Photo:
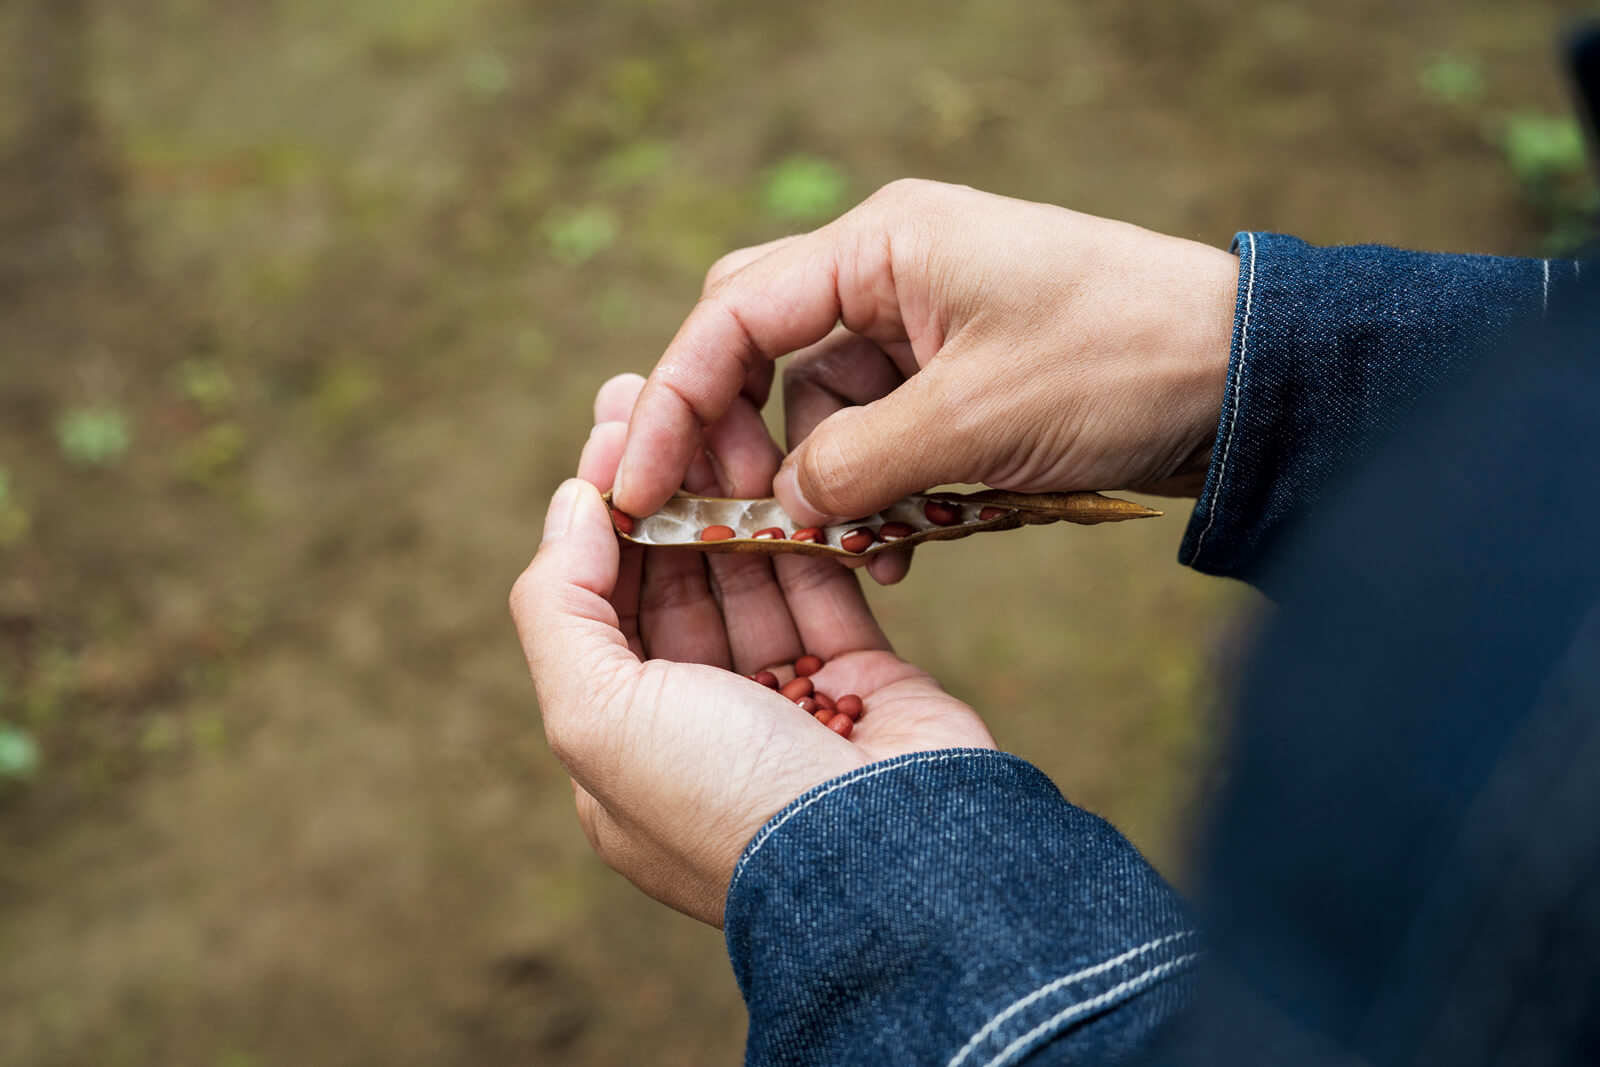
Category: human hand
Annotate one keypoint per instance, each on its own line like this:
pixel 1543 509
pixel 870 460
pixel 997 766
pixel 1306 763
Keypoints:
pixel 676 760
pixel 983 339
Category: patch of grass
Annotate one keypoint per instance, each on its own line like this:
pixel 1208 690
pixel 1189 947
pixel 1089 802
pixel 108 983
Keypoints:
pixel 577 235
pixel 206 384
pixel 1546 155
pixel 1544 148
pixel 1452 79
pixel 19 754
pixel 93 437
pixel 803 189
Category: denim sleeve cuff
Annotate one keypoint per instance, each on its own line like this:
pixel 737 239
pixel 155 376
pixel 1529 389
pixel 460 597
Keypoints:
pixel 1332 349
pixel 951 907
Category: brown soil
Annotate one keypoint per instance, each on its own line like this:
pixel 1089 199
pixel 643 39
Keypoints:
pixel 295 806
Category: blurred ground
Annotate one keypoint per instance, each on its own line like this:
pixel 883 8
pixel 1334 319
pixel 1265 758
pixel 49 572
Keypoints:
pixel 301 309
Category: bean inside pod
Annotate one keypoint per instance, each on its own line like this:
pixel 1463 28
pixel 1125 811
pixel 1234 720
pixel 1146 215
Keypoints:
pixel 718 524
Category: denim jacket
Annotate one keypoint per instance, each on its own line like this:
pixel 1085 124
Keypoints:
pixel 1404 865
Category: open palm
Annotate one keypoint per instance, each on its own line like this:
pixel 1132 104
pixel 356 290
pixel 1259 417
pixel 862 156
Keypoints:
pixel 639 656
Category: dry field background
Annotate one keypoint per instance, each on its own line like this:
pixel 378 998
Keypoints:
pixel 301 309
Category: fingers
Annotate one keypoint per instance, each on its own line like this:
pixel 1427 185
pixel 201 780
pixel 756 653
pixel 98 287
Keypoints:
pixel 741 258
pixel 760 631
pixel 742 453
pixel 787 299
pixel 597 465
pixel 575 650
pixel 860 459
pixel 829 610
pixel 758 383
pixel 890 567
pixel 842 370
pixel 614 402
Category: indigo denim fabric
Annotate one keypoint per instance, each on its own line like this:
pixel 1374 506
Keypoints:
pixel 1404 864
pixel 1333 348
pixel 951 908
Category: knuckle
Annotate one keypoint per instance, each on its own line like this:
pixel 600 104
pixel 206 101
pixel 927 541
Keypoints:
pixel 827 465
pixel 521 593
pixel 906 193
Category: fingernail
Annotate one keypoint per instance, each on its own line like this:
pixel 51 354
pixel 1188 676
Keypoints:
pixel 617 481
pixel 787 487
pixel 562 507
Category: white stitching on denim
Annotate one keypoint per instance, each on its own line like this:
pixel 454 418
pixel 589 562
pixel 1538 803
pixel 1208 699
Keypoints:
pixel 870 771
pixel 1086 1006
pixel 1045 990
pixel 1547 287
pixel 1238 377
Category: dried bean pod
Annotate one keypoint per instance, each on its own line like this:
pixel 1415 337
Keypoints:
pixel 683 520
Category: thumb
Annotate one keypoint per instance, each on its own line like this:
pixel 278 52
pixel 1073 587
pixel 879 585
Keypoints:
pixel 861 459
pixel 568 628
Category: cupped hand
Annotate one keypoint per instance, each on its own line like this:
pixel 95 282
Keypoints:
pixel 948 335
pixel 639 654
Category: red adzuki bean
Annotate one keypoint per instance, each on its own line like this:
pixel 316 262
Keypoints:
pixel 823 699
pixel 893 531
pixel 858 540
pixel 766 678
pixel 622 521
pixel 810 535
pixel 807 665
pixel 841 725
pixel 796 688
pixel 809 706
pixel 771 533
pixel 824 715
pixel 992 513
pixel 717 533
pixel 850 705
pixel 941 514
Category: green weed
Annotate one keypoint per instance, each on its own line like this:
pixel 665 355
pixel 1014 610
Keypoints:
pixel 1547 157
pixel 93 436
pixel 19 755
pixel 206 384
pixel 803 189
pixel 1452 79
pixel 578 235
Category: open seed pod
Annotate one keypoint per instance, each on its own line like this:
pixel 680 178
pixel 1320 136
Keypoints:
pixel 689 521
